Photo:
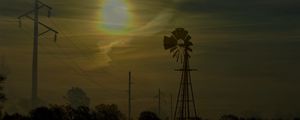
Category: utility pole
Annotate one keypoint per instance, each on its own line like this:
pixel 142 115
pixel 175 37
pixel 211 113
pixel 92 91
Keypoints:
pixel 159 107
pixel 3 69
pixel 171 107
pixel 37 5
pixel 129 97
pixel 2 63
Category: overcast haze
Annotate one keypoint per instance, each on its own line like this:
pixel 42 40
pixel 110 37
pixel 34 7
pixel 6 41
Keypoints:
pixel 246 53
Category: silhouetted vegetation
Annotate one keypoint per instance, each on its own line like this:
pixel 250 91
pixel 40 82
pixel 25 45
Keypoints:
pixel 3 76
pixel 235 117
pixel 76 97
pixel 2 95
pixel 148 115
pixel 55 112
pixel 100 112
pixel 108 112
pixel 15 116
pixel 229 117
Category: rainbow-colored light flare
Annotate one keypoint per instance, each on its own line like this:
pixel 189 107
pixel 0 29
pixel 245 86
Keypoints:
pixel 116 17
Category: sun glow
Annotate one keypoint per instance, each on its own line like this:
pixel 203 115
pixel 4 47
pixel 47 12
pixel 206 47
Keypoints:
pixel 115 17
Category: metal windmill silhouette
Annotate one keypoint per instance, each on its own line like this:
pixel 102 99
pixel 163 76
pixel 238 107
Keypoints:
pixel 179 45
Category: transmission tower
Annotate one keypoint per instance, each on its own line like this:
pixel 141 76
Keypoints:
pixel 36 7
pixel 179 45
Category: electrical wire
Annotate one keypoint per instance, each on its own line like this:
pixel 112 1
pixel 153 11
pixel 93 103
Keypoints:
pixel 75 67
pixel 63 33
pixel 64 36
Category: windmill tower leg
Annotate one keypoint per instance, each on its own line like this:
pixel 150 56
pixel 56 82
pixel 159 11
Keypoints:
pixel 185 106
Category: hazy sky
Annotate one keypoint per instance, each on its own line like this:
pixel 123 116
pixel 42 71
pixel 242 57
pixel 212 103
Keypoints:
pixel 246 53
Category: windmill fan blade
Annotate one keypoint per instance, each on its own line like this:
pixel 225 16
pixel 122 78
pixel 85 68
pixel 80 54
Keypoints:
pixel 188 38
pixel 177 58
pixel 189 49
pixel 169 42
pixel 173 49
pixel 188 43
pixel 179 44
pixel 188 54
pixel 176 53
pixel 180 33
pixel 181 59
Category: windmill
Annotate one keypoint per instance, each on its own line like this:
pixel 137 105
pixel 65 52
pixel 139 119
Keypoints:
pixel 179 45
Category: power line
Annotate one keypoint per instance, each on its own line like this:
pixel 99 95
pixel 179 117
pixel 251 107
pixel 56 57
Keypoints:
pixel 64 36
pixel 75 67
pixel 60 28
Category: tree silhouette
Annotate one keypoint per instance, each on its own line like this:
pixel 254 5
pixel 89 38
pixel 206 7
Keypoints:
pixel 101 112
pixel 108 112
pixel 41 113
pixel 59 112
pixel 82 113
pixel 229 117
pixel 148 115
pixel 3 77
pixel 2 95
pixel 15 116
pixel 76 97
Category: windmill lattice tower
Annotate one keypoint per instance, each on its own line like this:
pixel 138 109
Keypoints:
pixel 179 45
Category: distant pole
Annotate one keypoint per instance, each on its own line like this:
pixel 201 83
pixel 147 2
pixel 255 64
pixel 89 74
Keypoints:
pixel 3 72
pixel 159 107
pixel 129 97
pixel 171 106
pixel 37 5
pixel 2 62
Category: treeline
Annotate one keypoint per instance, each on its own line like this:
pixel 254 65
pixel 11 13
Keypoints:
pixel 101 112
pixel 235 117
pixel 55 112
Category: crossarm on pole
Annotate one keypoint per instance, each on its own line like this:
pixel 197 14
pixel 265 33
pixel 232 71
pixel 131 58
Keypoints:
pixel 44 25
